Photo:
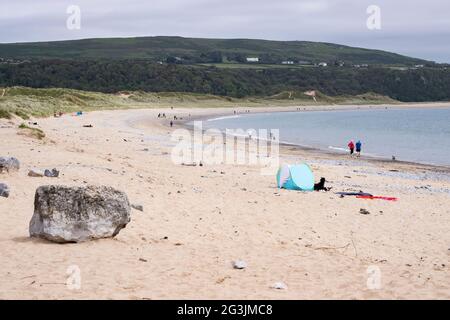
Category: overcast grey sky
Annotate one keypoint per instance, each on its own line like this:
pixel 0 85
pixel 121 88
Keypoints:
pixel 412 27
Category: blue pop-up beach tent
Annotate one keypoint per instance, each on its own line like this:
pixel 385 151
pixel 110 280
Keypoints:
pixel 295 177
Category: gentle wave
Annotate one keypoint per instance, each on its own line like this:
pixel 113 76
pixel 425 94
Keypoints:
pixel 337 148
pixel 223 118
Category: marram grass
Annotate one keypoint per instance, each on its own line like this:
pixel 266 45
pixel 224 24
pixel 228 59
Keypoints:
pixel 25 102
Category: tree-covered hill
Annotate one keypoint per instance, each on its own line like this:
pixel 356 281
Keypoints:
pixel 422 84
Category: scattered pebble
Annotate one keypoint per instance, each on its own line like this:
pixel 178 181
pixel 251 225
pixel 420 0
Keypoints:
pixel 239 264
pixel 8 164
pixel 4 190
pixel 138 207
pixel 279 286
pixel 51 173
pixel 35 173
pixel 193 164
pixel 363 211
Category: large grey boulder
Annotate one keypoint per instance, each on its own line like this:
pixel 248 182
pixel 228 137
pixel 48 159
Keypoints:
pixel 76 214
pixel 8 164
pixel 4 190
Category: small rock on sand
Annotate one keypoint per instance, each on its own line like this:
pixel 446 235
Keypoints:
pixel 192 164
pixel 239 264
pixel 35 173
pixel 8 164
pixel 51 173
pixel 138 207
pixel 279 286
pixel 4 190
pixel 363 211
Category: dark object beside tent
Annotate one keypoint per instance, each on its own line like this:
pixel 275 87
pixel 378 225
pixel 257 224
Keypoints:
pixel 354 194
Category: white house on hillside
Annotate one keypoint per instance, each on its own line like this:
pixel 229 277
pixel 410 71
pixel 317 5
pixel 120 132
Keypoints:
pixel 252 59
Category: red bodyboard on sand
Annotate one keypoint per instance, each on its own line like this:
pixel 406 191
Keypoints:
pixel 377 197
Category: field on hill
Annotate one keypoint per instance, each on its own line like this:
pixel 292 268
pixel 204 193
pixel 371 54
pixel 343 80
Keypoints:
pixel 198 50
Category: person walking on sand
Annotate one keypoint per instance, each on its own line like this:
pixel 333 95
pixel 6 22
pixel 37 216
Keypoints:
pixel 358 148
pixel 351 147
pixel 171 123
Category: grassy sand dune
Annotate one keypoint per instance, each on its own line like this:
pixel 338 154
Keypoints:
pixel 25 102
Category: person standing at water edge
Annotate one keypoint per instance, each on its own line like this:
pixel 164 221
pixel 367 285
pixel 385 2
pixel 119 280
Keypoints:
pixel 351 146
pixel 358 148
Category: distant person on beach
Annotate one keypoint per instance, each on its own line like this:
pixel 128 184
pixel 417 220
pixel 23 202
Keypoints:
pixel 358 148
pixel 171 123
pixel 351 147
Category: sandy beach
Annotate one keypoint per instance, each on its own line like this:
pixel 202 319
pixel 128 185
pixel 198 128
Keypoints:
pixel 198 220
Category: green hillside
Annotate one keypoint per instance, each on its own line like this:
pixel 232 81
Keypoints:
pixel 195 50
